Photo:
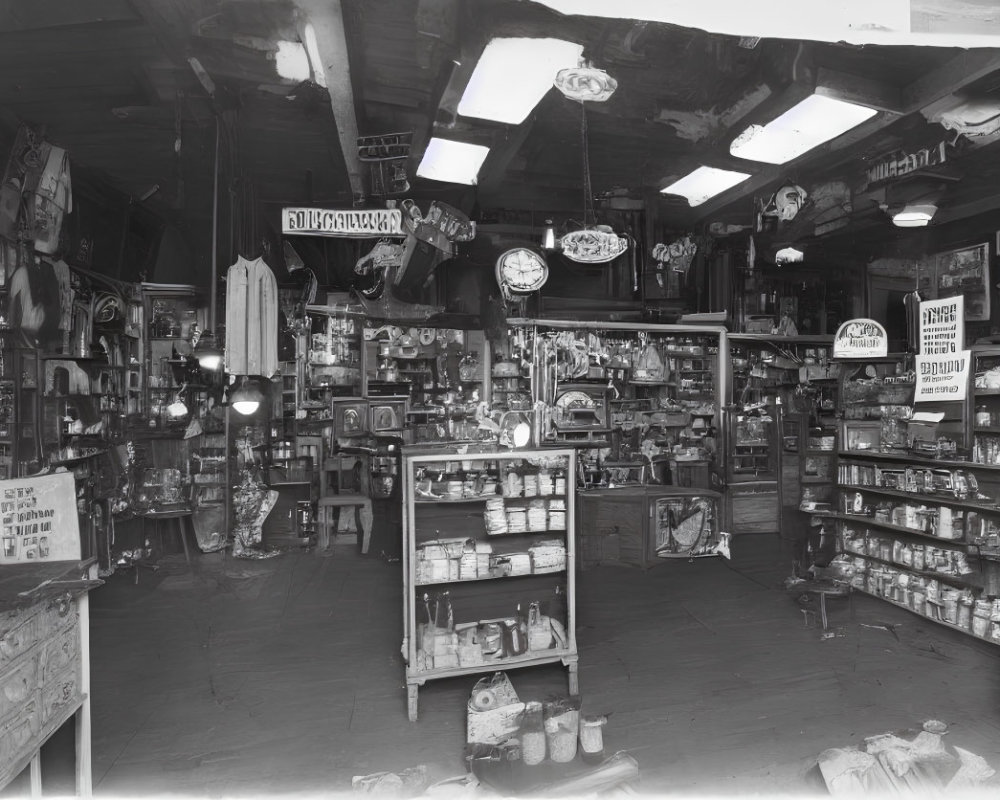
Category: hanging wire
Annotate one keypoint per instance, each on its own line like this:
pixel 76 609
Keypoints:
pixel 588 195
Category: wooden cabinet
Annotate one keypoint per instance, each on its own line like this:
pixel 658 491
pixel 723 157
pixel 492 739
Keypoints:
pixel 641 525
pixel 780 432
pixel 487 535
pixel 44 665
pixel 171 312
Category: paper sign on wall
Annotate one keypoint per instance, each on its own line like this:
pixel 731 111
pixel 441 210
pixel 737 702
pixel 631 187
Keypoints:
pixel 38 519
pixel 942 378
pixel 942 326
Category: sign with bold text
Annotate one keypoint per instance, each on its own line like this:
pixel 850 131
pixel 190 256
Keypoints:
pixel 942 326
pixel 359 223
pixel 942 378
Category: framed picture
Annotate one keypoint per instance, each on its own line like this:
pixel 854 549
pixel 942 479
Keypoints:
pixel 350 418
pixel 387 416
pixel 861 434
pixel 967 272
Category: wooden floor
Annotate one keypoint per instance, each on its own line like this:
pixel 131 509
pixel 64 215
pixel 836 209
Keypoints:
pixel 285 676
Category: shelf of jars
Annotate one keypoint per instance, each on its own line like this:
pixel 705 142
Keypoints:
pixel 489 541
pixel 945 593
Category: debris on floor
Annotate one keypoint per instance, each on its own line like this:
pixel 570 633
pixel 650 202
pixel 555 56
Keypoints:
pixel 543 749
pixel 898 764
pixel 408 783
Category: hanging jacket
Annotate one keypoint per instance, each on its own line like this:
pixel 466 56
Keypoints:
pixel 251 319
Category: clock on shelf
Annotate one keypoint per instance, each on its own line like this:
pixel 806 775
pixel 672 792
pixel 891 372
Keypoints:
pixel 520 270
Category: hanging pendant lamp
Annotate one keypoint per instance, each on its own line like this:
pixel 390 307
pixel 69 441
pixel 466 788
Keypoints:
pixel 592 244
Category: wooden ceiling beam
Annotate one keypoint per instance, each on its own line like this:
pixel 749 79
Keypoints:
pixel 327 18
pixel 858 89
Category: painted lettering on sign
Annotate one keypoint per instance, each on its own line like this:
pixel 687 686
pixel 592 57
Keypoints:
pixel 942 326
pixel 358 223
pixel 900 163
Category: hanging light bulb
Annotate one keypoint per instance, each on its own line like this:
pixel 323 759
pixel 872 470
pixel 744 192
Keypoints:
pixel 208 354
pixel 549 236
pixel 246 399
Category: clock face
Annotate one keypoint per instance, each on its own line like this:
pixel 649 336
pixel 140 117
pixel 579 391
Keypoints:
pixel 522 270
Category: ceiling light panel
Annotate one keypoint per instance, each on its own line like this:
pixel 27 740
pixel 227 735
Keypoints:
pixel 705 183
pixel 451 161
pixel 806 125
pixel 513 75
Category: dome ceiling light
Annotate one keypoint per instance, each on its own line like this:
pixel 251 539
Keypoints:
pixel 585 83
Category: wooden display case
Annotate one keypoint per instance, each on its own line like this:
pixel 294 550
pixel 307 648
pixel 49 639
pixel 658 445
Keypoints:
pixel 636 388
pixel 473 548
pixel 779 462
pixel 170 312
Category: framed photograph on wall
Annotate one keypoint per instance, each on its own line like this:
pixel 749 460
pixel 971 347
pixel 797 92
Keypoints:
pixel 967 272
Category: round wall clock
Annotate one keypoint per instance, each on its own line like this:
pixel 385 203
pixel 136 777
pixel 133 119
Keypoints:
pixel 521 270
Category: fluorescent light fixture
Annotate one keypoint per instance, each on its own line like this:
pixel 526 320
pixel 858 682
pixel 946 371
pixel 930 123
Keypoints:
pixel 513 75
pixel 914 215
pixel 788 255
pixel 806 125
pixel 312 51
pixel 705 182
pixel 451 161
pixel 292 61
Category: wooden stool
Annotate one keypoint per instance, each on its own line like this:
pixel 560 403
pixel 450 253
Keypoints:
pixel 329 511
pixel 828 589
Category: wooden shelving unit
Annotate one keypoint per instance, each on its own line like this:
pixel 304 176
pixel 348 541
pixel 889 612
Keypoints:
pixel 944 578
pixel 489 596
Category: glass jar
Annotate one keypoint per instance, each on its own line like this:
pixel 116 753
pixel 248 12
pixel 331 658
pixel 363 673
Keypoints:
pixel 468 367
pixel 983 416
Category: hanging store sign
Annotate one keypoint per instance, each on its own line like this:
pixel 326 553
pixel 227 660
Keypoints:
pixel 360 223
pixel 860 338
pixel 942 326
pixel 942 377
pixel 895 165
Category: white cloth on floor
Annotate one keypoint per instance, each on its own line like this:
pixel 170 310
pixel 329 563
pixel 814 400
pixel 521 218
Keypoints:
pixel 251 319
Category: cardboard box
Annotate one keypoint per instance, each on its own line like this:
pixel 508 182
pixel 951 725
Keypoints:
pixel 495 725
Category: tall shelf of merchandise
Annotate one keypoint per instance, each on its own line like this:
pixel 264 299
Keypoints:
pixel 918 510
pixel 487 577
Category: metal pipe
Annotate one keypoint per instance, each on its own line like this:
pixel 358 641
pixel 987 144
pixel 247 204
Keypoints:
pixel 215 234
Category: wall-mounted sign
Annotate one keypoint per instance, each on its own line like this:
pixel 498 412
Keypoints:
pixel 888 168
pixel 361 223
pixel 860 338
pixel 942 378
pixel 942 326
pixel 38 519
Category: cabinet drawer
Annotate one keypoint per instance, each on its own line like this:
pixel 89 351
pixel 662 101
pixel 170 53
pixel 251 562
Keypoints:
pixel 18 640
pixel 59 653
pixel 27 627
pixel 19 737
pixel 61 696
pixel 18 684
